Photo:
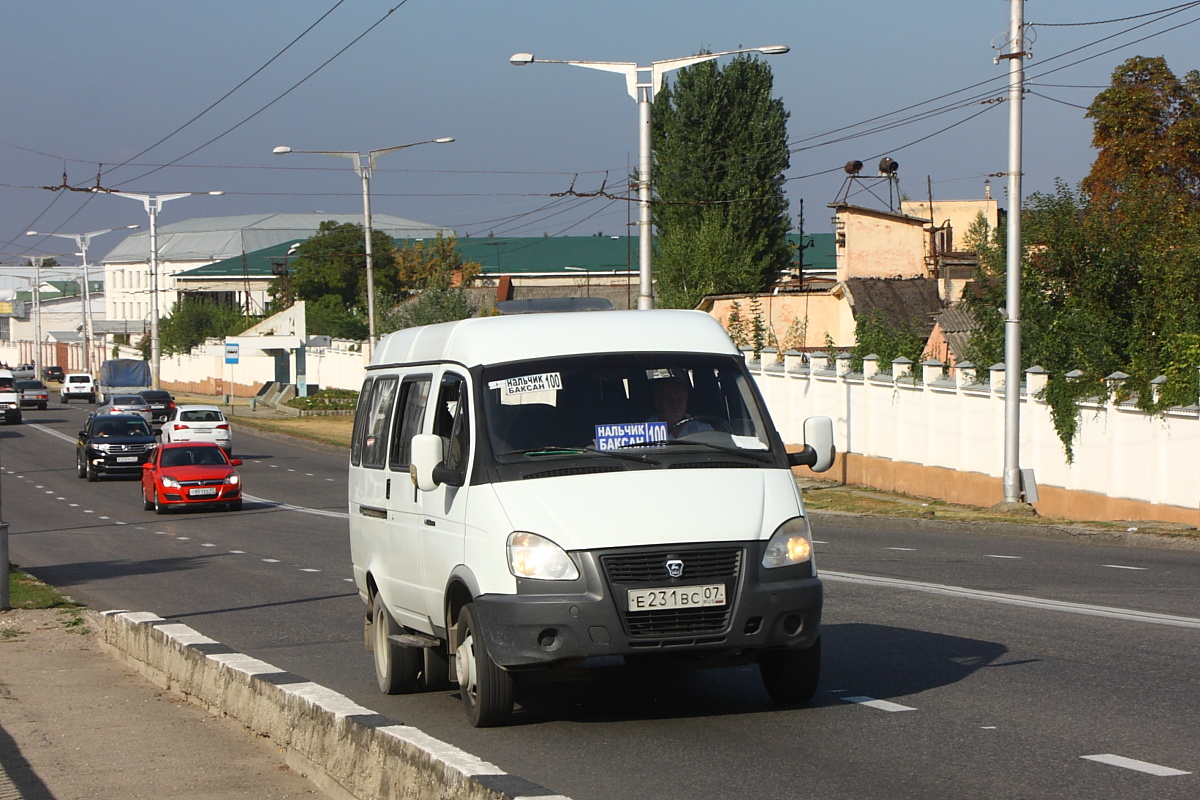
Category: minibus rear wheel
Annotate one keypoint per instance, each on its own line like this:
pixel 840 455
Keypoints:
pixel 487 690
pixel 396 666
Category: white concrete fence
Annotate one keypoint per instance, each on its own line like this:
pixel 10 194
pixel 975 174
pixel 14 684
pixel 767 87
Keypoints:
pixel 915 420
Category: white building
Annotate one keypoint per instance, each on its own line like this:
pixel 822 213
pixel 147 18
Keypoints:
pixel 197 242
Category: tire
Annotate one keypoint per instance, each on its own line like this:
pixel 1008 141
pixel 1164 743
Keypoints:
pixel 791 676
pixel 236 505
pixel 92 474
pixel 62 398
pixel 487 690
pixel 159 508
pixel 396 666
pixel 147 504
pixel 80 469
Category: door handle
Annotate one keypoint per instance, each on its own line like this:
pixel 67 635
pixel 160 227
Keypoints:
pixel 430 523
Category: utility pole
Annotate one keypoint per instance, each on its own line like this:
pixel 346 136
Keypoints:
pixel 1012 319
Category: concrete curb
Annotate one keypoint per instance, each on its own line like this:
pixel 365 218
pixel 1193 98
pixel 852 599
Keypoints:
pixel 348 750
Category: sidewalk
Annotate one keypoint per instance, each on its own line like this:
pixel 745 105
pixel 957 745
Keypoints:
pixel 77 724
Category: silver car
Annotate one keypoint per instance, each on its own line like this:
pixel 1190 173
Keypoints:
pixel 126 404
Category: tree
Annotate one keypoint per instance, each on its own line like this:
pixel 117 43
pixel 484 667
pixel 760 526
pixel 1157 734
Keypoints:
pixel 195 319
pixel 333 262
pixel 720 145
pixel 437 302
pixel 1109 277
pixel 431 262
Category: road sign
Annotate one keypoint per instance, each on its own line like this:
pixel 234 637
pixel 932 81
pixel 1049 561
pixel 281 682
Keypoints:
pixel 231 352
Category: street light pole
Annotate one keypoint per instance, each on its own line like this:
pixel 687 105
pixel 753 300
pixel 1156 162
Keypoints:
pixel 83 241
pixel 643 83
pixel 153 204
pixel 364 165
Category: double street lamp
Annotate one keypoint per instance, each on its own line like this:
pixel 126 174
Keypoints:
pixel 82 241
pixel 642 84
pixel 364 165
pixel 153 204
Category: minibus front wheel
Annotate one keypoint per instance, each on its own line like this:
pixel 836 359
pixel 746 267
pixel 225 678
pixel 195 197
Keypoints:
pixel 791 675
pixel 487 690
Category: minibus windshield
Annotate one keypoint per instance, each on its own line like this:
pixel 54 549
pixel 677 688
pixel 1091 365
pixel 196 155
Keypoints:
pixel 622 403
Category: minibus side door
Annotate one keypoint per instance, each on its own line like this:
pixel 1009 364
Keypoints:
pixel 403 563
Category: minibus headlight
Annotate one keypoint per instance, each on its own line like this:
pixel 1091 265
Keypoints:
pixel 790 544
pixel 536 557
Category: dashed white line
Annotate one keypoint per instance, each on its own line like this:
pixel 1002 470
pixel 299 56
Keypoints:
pixel 183 538
pixel 206 544
pixel 1134 764
pixel 271 560
pixel 1122 566
pixel 1015 558
pixel 882 705
pixel 238 552
pixel 309 569
pixel 904 549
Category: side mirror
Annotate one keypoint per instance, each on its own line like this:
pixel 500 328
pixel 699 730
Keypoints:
pixel 157 432
pixel 237 462
pixel 83 434
pixel 819 450
pixel 426 456
pixel 148 465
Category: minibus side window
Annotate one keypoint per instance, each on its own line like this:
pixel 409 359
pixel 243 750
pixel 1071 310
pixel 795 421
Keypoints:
pixel 452 422
pixel 360 422
pixel 375 431
pixel 414 395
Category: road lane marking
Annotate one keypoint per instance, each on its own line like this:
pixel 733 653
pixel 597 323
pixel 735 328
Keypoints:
pixel 1017 600
pixel 271 560
pixel 882 705
pixel 320 512
pixel 1122 566
pixel 1134 764
pixel 1017 558
pixel 309 569
pixel 904 549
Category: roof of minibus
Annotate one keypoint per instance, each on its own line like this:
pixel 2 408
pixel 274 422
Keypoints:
pixel 491 340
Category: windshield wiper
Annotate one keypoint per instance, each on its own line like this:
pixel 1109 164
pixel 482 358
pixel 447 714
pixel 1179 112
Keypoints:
pixel 758 455
pixel 590 450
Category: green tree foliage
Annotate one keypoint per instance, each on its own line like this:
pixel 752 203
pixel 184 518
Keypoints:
pixel 437 302
pixel 333 262
pixel 431 263
pixel 327 316
pixel 195 319
pixel 720 145
pixel 875 334
pixel 1110 277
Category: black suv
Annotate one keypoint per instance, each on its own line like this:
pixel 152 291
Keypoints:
pixel 113 444
pixel 52 373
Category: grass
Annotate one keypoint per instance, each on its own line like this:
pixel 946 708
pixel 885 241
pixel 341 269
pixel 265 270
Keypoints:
pixel 326 430
pixel 26 591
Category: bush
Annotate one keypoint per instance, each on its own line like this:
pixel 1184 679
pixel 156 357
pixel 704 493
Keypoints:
pixel 326 400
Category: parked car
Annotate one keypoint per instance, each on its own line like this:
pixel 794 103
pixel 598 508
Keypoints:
pixel 197 423
pixel 34 394
pixel 10 399
pixel 52 373
pixel 76 386
pixel 161 403
pixel 113 444
pixel 126 404
pixel 188 475
pixel 24 372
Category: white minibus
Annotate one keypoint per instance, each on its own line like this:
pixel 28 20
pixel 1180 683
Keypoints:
pixel 537 492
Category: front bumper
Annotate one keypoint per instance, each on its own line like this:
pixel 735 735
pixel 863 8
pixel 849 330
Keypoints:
pixel 550 622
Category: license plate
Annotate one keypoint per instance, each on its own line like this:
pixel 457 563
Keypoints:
pixel 207 491
pixel 126 459
pixel 676 597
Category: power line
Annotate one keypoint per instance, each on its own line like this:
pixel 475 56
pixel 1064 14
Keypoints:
pixel 1118 19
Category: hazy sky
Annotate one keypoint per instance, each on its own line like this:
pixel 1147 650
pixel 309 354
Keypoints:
pixel 90 86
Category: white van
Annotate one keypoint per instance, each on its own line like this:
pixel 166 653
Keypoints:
pixel 525 494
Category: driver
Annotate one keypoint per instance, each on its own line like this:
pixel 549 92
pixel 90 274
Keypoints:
pixel 670 405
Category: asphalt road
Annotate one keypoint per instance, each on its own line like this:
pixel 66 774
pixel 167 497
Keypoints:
pixel 958 663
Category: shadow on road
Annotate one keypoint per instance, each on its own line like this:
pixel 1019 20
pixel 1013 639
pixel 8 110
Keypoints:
pixel 858 660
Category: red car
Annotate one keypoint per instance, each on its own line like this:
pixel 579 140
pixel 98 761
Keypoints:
pixel 186 475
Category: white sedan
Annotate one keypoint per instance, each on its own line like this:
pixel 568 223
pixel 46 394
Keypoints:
pixel 195 423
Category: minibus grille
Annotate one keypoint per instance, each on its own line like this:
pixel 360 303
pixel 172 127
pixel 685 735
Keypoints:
pixel 647 569
pixel 715 465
